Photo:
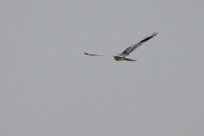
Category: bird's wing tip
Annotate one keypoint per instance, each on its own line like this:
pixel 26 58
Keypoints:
pixel 155 33
pixel 86 53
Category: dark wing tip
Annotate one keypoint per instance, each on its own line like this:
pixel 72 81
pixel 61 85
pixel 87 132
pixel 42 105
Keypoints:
pixel 90 54
pixel 86 53
pixel 149 37
pixel 154 34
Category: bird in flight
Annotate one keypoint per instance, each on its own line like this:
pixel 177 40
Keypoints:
pixel 123 56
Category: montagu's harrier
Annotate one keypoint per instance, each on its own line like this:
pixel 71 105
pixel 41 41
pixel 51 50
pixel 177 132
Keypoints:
pixel 123 56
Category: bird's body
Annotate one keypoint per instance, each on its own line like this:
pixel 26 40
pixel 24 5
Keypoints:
pixel 126 52
pixel 122 58
pixel 119 57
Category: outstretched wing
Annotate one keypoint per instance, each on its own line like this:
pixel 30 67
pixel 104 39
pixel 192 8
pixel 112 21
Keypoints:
pixel 90 54
pixel 133 47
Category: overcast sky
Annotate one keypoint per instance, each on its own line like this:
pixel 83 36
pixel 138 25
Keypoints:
pixel 48 87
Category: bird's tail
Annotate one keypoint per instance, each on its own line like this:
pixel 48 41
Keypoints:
pixel 128 59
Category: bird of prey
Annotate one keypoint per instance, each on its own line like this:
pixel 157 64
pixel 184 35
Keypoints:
pixel 123 56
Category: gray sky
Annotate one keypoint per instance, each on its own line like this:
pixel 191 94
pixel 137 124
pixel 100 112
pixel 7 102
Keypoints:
pixel 48 87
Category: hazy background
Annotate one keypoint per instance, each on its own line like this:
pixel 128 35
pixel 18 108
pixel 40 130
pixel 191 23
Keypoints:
pixel 48 87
